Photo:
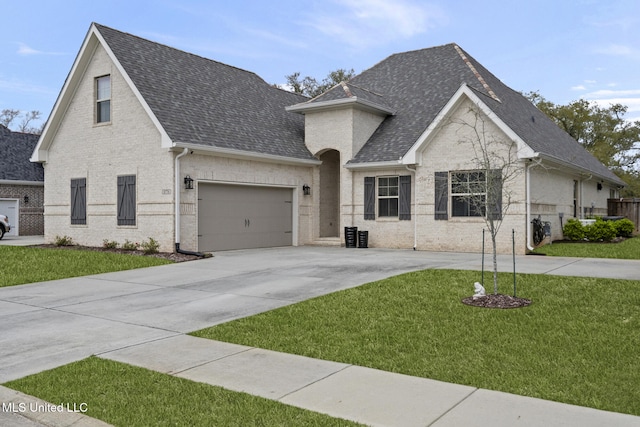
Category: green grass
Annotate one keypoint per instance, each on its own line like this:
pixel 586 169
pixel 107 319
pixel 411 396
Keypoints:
pixel 577 343
pixel 627 249
pixel 28 265
pixel 125 395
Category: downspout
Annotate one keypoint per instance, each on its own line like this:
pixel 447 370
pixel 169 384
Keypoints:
pixel 529 232
pixel 415 207
pixel 177 207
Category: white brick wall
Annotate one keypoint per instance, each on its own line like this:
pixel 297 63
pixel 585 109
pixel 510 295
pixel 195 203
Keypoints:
pixel 211 169
pixel 129 145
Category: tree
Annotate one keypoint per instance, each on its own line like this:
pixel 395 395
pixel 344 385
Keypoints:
pixel 310 87
pixel 604 132
pixel 486 189
pixel 7 116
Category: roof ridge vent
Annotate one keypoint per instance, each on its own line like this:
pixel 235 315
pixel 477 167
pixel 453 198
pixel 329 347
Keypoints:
pixel 476 73
pixel 346 89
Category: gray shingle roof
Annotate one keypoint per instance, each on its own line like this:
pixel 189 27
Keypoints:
pixel 418 84
pixel 15 151
pixel 201 101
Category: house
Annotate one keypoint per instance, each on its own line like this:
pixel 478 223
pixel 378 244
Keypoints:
pixel 149 141
pixel 21 183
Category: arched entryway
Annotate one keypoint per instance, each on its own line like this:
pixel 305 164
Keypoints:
pixel 329 199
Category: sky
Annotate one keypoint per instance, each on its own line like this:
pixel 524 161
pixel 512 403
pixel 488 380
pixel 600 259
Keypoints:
pixel 563 49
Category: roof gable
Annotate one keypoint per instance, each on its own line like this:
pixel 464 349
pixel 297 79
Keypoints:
pixel 194 101
pixel 204 102
pixel 420 84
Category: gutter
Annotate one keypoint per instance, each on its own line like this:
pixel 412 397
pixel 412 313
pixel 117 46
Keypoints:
pixel 415 207
pixel 177 210
pixel 528 204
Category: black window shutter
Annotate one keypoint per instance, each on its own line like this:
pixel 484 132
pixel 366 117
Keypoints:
pixel 79 201
pixel 369 197
pixel 405 197
pixel 494 196
pixel 127 200
pixel 441 202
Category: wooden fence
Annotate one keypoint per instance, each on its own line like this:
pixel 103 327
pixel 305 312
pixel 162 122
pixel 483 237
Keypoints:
pixel 628 208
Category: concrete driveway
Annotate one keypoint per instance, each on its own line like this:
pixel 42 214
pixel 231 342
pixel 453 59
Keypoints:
pixel 140 317
pixel 49 324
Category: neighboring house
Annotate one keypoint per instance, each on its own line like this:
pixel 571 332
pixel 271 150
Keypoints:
pixel 149 141
pixel 21 183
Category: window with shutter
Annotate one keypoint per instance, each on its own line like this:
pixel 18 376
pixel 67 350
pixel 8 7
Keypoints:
pixel 127 200
pixel 494 194
pixel 405 197
pixel 441 196
pixel 369 198
pixel 475 193
pixel 393 197
pixel 79 201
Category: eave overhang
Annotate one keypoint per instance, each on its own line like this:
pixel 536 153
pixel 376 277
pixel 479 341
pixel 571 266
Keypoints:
pixel 243 155
pixel 351 102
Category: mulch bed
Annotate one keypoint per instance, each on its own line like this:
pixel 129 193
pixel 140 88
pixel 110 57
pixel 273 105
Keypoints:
pixel 171 256
pixel 497 301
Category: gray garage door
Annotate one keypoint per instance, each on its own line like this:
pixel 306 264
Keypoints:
pixel 241 217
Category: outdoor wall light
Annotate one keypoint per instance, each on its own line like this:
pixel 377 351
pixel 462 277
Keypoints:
pixel 188 183
pixel 26 199
pixel 306 190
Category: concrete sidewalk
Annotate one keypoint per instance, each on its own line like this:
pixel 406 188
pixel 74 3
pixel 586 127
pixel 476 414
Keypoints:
pixel 365 395
pixel 141 316
pixel 21 240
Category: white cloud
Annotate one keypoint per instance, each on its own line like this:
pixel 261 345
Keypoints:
pixel 25 50
pixel 20 86
pixel 617 50
pixel 629 98
pixel 579 87
pixel 361 23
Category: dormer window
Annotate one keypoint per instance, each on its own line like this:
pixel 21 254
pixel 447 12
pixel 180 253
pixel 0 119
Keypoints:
pixel 103 99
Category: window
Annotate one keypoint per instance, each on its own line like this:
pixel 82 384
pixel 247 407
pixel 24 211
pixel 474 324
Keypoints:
pixel 79 201
pixel 103 99
pixel 468 193
pixel 471 193
pixel 393 197
pixel 388 196
pixel 127 200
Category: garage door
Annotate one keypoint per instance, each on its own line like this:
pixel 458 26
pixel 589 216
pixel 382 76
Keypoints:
pixel 241 217
pixel 10 209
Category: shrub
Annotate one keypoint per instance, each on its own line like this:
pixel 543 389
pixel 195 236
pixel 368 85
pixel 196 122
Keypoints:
pixel 150 247
pixel 63 241
pixel 130 246
pixel 600 231
pixel 109 244
pixel 624 227
pixel 573 230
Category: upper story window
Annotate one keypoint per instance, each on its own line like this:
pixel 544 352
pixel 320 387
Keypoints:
pixel 103 99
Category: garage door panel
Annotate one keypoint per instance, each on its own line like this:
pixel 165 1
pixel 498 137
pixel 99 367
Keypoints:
pixel 240 217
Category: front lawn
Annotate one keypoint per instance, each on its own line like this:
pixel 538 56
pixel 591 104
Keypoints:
pixel 577 343
pixel 28 265
pixel 125 395
pixel 627 249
